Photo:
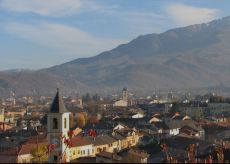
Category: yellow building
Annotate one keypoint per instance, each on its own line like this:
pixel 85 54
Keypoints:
pixel 103 143
pixel 80 148
pixel 128 137
pixel 2 118
pixel 16 113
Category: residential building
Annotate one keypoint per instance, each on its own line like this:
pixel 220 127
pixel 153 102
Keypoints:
pixel 102 143
pixel 120 103
pixel 80 148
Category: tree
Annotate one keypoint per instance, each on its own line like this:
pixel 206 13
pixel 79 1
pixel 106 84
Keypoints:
pixel 174 109
pixel 96 97
pixel 72 121
pixel 39 153
pixel 19 122
pixel 44 120
pixel 86 98
pixel 35 115
pixel 81 120
pixel 191 150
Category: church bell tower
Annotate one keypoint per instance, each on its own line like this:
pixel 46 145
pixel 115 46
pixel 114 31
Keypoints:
pixel 58 126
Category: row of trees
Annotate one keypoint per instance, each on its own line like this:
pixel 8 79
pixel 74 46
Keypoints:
pixel 79 119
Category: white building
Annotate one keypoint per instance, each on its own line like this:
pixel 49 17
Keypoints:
pixel 138 115
pixel 120 103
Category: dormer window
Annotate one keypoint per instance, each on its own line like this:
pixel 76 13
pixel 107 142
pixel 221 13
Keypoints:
pixel 55 123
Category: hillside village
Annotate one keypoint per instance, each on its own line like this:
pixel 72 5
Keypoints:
pixel 118 129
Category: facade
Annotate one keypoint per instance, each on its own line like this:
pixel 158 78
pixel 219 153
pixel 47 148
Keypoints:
pixel 120 103
pixel 2 118
pixel 102 143
pixel 124 101
pixel 5 126
pixel 130 137
pixel 17 113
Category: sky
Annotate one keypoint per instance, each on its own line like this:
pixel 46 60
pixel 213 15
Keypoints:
pixel 37 34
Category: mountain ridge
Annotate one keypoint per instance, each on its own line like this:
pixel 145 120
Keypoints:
pixel 185 57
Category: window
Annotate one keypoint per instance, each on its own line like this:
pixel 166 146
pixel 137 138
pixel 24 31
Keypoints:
pixel 83 152
pixel 98 150
pixel 55 158
pixel 78 152
pixel 65 123
pixel 55 123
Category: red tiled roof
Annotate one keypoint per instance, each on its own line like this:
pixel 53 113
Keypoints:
pixel 79 141
pixel 10 152
pixel 26 149
pixel 39 139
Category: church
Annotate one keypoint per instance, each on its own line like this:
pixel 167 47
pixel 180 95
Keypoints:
pixel 124 101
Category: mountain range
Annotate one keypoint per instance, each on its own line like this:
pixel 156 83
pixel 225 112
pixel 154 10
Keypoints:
pixel 188 57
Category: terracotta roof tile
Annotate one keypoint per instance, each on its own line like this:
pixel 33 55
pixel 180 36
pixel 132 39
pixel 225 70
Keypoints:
pixel 79 141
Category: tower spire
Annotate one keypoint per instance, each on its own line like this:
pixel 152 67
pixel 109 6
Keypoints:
pixel 58 104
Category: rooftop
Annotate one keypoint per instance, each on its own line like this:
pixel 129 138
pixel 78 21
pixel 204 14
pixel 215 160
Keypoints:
pixel 109 155
pixel 100 140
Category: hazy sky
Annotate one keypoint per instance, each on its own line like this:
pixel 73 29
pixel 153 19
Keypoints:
pixel 41 33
